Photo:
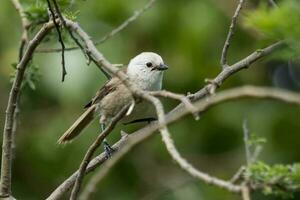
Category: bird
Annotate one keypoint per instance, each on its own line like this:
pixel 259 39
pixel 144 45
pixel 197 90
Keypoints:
pixel 145 71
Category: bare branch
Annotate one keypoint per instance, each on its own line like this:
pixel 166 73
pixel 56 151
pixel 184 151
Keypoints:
pixel 5 185
pixel 91 151
pixel 24 40
pixel 112 33
pixel 105 168
pixel 179 97
pixel 258 149
pixel 230 34
pixel 229 71
pixel 189 168
pixel 95 162
pixel 238 175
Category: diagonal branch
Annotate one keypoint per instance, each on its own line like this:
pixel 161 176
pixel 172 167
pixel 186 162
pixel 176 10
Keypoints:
pixel 94 163
pixel 189 168
pixel 185 101
pixel 230 34
pixel 229 71
pixel 91 151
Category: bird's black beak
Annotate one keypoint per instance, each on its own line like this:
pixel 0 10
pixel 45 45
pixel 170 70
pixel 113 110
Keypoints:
pixel 162 67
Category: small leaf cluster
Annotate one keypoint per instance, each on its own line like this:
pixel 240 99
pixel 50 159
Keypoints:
pixel 37 11
pixel 277 23
pixel 31 77
pixel 255 140
pixel 279 180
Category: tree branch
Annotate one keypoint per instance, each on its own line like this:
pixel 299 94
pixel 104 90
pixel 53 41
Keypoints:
pixel 5 184
pixel 24 40
pixel 89 154
pixel 229 71
pixel 189 168
pixel 185 101
pixel 57 27
pixel 94 163
pixel 25 26
pixel 230 34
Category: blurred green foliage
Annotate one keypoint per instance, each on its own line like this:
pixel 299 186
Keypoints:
pixel 277 180
pixel 189 35
pixel 280 23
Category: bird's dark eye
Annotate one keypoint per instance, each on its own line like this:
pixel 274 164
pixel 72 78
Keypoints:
pixel 149 64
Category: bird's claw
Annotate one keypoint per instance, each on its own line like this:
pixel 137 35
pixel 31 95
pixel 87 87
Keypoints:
pixel 108 150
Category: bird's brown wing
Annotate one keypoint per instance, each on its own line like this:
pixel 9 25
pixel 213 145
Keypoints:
pixel 109 86
pixel 88 115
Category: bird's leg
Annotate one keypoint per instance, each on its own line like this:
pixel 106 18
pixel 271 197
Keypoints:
pixel 107 148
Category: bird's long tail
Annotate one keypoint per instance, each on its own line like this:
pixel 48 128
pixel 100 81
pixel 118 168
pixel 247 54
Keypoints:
pixel 78 126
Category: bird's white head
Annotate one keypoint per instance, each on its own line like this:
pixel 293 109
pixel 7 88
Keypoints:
pixel 146 70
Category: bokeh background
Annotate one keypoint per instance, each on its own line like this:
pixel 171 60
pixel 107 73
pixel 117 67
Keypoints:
pixel 189 35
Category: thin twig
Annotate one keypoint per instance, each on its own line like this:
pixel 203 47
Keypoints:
pixel 5 184
pixel 229 71
pixel 246 142
pixel 105 168
pixel 179 97
pixel 230 34
pixel 112 33
pixel 101 61
pixel 189 168
pixel 25 26
pixel 91 151
pixel 63 21
pixel 85 52
pixel 238 175
pixel 258 149
pixel 64 72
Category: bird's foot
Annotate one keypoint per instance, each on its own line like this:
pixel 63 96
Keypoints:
pixel 108 149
